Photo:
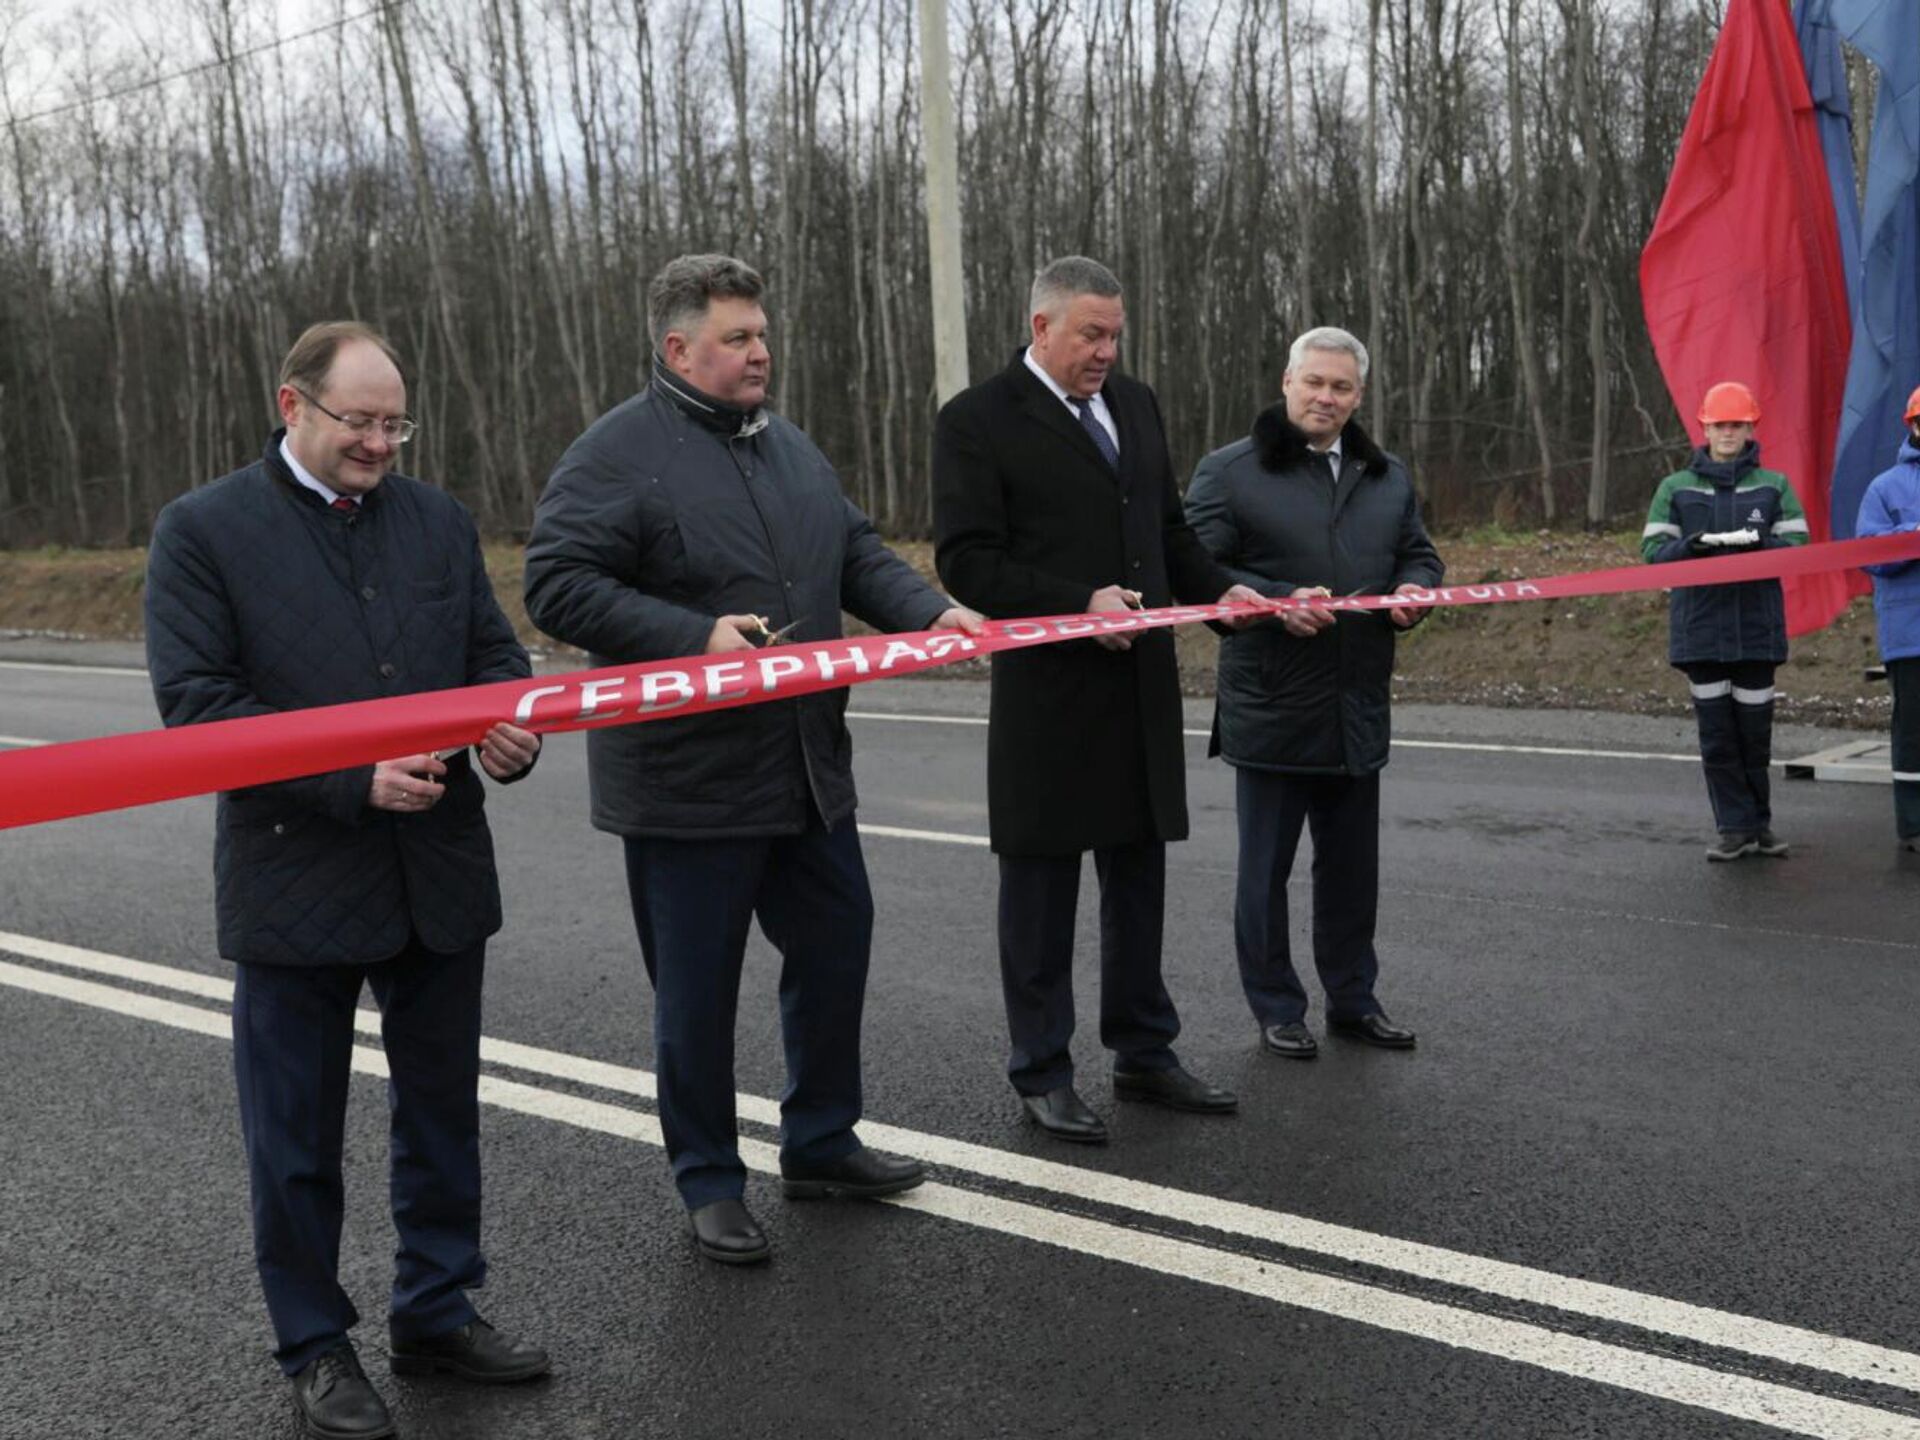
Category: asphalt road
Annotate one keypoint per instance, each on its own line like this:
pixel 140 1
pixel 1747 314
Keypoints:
pixel 1650 1173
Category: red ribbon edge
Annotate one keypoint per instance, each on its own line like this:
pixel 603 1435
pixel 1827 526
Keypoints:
pixel 85 777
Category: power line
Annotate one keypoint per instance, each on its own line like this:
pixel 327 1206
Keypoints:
pixel 228 61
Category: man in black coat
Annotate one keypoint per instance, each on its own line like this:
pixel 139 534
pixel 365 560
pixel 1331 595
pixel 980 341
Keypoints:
pixel 1308 506
pixel 1053 494
pixel 690 519
pixel 316 577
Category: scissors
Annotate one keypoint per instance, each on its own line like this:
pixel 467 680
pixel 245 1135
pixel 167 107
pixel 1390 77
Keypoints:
pixel 774 637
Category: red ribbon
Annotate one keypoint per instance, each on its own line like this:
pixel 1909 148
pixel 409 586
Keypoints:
pixel 84 777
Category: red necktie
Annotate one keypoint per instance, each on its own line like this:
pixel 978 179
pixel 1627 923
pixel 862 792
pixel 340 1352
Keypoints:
pixel 344 505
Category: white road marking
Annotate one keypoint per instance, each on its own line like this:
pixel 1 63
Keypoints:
pixel 55 669
pixel 943 837
pixel 1764 1339
pixel 1483 747
pixel 948 837
pixel 1761 1402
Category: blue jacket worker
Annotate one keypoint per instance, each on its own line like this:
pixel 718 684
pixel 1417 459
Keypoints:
pixel 691 519
pixel 1892 502
pixel 314 576
pixel 1728 639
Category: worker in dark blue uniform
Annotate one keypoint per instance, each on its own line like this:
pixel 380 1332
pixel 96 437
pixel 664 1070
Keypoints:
pixel 1728 639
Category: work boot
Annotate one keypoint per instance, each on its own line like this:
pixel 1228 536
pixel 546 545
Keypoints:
pixel 1732 844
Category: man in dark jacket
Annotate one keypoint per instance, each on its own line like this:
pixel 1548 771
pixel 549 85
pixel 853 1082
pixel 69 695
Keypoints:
pixel 1308 506
pixel 1053 494
pixel 315 577
pixel 690 519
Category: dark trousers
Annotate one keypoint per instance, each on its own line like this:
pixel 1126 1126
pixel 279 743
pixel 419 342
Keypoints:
pixel 1904 677
pixel 692 903
pixel 1343 813
pixel 1733 705
pixel 293 1033
pixel 1038 898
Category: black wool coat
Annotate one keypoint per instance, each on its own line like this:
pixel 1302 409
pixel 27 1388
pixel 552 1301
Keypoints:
pixel 1321 705
pixel 1084 747
pixel 260 599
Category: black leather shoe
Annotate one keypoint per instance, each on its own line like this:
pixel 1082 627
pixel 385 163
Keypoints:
pixel 1375 1029
pixel 860 1174
pixel 333 1400
pixel 724 1231
pixel 1175 1089
pixel 1292 1040
pixel 474 1351
pixel 1065 1116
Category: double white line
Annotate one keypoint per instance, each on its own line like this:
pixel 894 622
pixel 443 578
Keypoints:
pixel 1620 1364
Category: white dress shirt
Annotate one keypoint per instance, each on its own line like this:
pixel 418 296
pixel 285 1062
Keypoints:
pixel 305 477
pixel 1098 404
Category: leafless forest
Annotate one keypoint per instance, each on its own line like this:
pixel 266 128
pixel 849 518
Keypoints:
pixel 1464 183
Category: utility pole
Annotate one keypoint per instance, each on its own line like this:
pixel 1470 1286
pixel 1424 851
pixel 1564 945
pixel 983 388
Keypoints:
pixel 942 152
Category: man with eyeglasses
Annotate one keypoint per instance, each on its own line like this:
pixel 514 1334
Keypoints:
pixel 316 576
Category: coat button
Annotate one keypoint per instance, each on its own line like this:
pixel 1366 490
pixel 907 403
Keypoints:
pixel 1136 564
pixel 280 829
pixel 388 670
pixel 367 592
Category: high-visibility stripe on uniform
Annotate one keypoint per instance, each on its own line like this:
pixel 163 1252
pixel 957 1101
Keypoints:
pixel 1752 697
pixel 1673 530
pixel 1713 690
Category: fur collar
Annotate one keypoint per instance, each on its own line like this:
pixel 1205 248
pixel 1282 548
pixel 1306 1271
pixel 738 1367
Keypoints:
pixel 1280 443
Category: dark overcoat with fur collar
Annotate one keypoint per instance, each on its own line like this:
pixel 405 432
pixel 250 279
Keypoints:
pixel 1270 517
pixel 1084 747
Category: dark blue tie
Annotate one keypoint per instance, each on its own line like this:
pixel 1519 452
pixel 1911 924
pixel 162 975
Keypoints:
pixel 1096 431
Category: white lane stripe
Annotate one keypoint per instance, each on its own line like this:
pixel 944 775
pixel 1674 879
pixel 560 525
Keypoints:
pixel 933 719
pixel 56 669
pixel 943 837
pixel 1766 1339
pixel 1483 747
pixel 1549 750
pixel 21 741
pixel 1762 1402
pixel 215 987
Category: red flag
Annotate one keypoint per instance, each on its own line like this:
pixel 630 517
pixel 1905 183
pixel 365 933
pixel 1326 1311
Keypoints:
pixel 1742 279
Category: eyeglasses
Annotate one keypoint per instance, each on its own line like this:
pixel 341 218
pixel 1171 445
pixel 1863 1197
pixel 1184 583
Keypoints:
pixel 396 430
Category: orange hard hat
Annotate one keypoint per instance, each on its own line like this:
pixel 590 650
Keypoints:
pixel 1913 406
pixel 1729 401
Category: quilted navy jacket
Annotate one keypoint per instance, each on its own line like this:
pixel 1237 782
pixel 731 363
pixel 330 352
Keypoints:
pixel 260 599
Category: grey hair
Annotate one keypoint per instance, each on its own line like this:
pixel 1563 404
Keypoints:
pixel 1061 280
pixel 1329 337
pixel 679 295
